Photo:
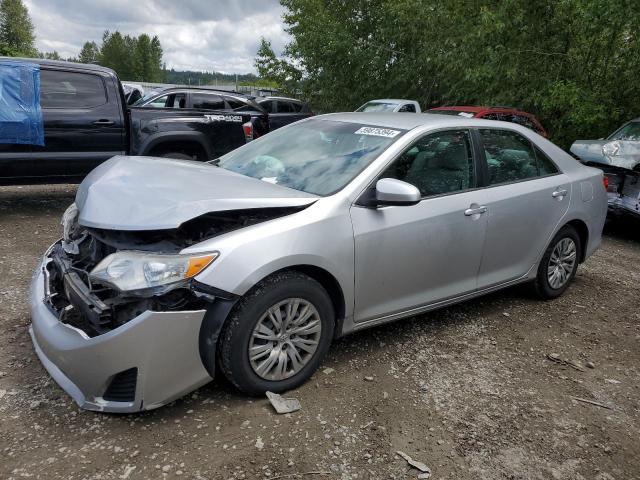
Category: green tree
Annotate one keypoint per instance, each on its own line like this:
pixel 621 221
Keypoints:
pixel 574 63
pixel 133 58
pixel 16 30
pixel 50 55
pixel 276 71
pixel 90 53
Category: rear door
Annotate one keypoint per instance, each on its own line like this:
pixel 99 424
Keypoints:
pixel 527 196
pixel 206 101
pixel 285 112
pixel 83 122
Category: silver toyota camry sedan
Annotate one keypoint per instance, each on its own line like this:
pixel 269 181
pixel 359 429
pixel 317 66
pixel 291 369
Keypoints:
pixel 250 265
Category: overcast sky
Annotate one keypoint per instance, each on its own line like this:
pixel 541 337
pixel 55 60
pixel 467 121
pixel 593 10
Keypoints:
pixel 203 35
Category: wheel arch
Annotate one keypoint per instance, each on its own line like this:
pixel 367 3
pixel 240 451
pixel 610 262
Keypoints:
pixel 172 142
pixel 583 233
pixel 327 280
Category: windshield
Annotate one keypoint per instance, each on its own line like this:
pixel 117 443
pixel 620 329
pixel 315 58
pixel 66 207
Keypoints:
pixel 630 131
pixel 377 107
pixel 315 156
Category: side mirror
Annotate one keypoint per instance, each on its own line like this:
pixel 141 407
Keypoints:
pixel 390 191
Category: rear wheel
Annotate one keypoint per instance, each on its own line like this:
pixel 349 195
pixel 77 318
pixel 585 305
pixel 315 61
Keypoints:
pixel 559 264
pixel 277 335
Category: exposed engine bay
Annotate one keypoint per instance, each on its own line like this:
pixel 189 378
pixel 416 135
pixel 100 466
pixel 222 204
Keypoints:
pixel 96 308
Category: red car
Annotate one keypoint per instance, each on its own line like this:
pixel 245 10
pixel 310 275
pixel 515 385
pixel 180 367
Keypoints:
pixel 505 114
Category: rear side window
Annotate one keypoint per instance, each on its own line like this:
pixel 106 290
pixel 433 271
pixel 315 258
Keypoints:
pixel 523 120
pixel 285 107
pixel 545 165
pixel 207 101
pixel 512 157
pixel 409 107
pixel 71 90
pixel 235 104
pixel 267 105
pixel 437 164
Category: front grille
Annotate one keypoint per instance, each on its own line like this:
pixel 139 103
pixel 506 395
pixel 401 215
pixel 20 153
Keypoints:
pixel 122 387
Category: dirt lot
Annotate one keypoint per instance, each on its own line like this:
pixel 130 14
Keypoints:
pixel 467 390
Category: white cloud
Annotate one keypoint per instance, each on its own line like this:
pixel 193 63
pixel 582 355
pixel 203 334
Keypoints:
pixel 221 35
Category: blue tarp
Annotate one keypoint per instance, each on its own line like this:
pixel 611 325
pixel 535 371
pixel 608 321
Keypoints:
pixel 20 114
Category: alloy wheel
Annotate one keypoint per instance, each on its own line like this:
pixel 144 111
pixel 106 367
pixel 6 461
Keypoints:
pixel 561 263
pixel 284 339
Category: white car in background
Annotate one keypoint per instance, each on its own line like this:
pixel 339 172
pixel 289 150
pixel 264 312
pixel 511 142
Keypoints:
pixel 391 105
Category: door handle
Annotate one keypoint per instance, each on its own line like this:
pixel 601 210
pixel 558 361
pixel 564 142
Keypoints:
pixel 560 193
pixel 104 123
pixel 475 211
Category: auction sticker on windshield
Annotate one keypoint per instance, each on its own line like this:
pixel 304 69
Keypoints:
pixel 378 132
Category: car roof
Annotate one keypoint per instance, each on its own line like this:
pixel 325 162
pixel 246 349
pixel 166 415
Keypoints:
pixel 61 63
pixel 390 100
pixel 288 99
pixel 207 90
pixel 409 121
pixel 478 109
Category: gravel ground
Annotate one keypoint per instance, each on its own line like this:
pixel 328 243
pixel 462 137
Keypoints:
pixel 468 390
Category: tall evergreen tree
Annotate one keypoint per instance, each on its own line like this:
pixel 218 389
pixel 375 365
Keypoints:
pixel 16 30
pixel 90 53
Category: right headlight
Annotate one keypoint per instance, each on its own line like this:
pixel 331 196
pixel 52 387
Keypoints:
pixel 149 273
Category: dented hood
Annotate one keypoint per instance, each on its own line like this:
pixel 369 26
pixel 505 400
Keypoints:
pixel 148 193
pixel 623 153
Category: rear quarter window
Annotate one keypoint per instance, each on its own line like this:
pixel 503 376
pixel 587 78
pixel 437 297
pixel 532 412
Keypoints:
pixel 59 89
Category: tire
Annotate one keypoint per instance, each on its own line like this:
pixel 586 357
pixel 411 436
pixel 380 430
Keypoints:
pixel 177 156
pixel 544 285
pixel 238 335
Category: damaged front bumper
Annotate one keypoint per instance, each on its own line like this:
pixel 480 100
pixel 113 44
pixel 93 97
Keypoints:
pixel 143 364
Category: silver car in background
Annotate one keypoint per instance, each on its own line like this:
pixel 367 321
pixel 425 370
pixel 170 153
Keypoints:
pixel 251 265
pixel 618 156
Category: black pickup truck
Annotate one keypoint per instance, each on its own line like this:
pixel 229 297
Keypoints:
pixel 86 121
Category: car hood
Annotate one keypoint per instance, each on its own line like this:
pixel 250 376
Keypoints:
pixel 148 193
pixel 627 152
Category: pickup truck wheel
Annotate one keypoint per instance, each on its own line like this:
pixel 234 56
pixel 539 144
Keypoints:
pixel 277 335
pixel 177 156
pixel 559 264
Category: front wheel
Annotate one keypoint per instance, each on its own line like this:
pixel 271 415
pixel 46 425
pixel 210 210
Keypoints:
pixel 559 264
pixel 277 335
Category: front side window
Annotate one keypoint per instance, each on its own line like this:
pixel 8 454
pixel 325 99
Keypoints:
pixel 510 156
pixel 173 100
pixel 71 90
pixel 206 101
pixel 316 156
pixel 437 164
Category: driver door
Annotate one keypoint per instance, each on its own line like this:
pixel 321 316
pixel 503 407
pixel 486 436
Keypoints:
pixel 407 257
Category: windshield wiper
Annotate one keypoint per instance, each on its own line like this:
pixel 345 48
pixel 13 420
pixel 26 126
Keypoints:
pixel 215 162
